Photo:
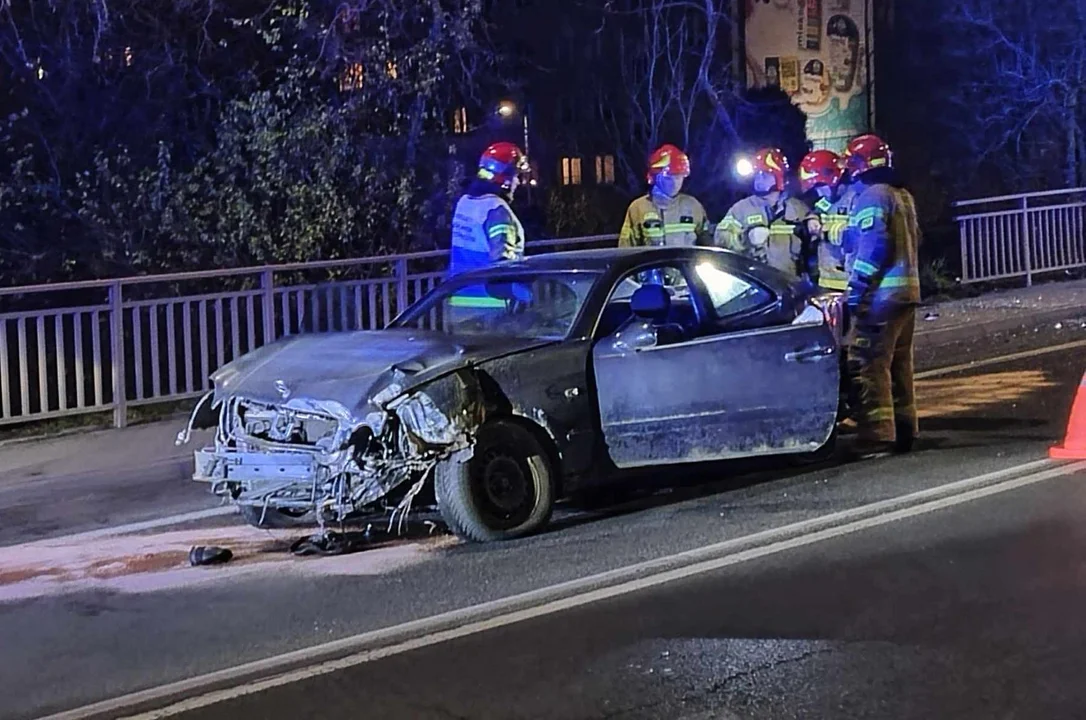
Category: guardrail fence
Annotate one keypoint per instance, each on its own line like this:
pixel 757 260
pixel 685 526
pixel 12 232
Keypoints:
pixel 95 346
pixel 1022 235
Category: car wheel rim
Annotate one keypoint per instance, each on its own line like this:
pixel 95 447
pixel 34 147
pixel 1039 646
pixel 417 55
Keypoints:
pixel 504 490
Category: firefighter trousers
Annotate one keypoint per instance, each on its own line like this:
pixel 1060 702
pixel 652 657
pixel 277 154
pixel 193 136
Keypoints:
pixel 880 359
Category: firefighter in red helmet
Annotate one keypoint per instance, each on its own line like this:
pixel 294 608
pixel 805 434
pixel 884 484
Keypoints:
pixel 882 239
pixel 665 215
pixel 821 180
pixel 485 228
pixel 764 225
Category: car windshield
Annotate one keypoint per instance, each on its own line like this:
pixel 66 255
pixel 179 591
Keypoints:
pixel 541 305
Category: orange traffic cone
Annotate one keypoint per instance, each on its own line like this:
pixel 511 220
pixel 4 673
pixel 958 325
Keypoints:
pixel 1074 445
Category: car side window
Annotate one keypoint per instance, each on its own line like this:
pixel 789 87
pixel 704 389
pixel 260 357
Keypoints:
pixel 730 294
pixel 617 310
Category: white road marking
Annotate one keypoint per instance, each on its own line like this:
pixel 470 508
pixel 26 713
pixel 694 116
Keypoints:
pixel 307 663
pixel 1025 354
pixel 145 525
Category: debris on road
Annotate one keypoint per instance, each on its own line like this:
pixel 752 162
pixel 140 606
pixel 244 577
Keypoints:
pixel 328 543
pixel 931 316
pixel 209 555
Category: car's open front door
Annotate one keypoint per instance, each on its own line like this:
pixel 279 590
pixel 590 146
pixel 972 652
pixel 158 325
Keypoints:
pixel 757 392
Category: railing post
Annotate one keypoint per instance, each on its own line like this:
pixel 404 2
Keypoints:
pixel 400 273
pixel 1027 253
pixel 267 285
pixel 116 344
pixel 963 240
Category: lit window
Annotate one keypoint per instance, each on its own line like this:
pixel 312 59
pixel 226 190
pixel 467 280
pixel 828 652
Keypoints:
pixel 460 121
pixel 351 77
pixel 571 171
pixel 605 169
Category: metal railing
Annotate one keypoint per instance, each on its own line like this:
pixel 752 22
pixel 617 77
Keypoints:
pixel 101 345
pixel 1022 235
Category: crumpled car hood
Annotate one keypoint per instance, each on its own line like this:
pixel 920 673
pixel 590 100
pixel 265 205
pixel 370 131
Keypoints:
pixel 349 369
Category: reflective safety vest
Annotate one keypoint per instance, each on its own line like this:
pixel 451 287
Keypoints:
pixel 833 215
pixel 886 268
pixel 485 232
pixel 682 222
pixel 784 249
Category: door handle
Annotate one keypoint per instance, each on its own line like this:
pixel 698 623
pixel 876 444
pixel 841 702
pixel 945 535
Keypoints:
pixel 814 353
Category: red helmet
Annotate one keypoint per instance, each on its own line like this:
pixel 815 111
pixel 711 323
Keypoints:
pixel 773 162
pixel 820 167
pixel 668 159
pixel 503 161
pixel 867 152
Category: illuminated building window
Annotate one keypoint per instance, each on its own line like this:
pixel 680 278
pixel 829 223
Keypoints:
pixel 571 171
pixel 351 77
pixel 460 121
pixel 605 169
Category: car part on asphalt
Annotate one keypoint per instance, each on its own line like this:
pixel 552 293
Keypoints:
pixel 209 555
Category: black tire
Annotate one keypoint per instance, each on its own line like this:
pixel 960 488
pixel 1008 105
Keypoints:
pixel 275 519
pixel 506 490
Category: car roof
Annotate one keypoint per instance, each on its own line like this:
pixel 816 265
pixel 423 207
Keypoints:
pixel 619 260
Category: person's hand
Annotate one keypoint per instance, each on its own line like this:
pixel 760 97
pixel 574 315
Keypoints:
pixel 758 236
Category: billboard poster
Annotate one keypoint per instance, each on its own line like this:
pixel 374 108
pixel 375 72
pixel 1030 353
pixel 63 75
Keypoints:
pixel 815 51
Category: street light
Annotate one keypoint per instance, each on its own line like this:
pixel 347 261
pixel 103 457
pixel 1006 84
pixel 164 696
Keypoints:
pixel 744 168
pixel 507 108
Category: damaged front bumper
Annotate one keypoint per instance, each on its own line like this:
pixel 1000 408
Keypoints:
pixel 315 455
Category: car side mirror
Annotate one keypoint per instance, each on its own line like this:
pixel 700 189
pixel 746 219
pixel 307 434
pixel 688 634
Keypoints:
pixel 635 335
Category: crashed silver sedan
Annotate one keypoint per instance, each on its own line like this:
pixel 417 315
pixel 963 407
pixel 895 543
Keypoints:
pixel 509 388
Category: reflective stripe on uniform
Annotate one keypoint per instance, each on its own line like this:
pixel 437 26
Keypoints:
pixel 864 268
pixel 478 301
pixel 881 414
pixel 755 220
pixel 497 230
pixel 898 281
pixel 865 219
pixel 833 283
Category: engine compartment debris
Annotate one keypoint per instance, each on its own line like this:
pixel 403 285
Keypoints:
pixel 310 460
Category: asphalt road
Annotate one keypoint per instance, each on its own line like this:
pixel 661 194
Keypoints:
pixel 957 612
pixel 971 612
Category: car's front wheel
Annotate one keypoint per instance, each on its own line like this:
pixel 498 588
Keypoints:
pixel 506 490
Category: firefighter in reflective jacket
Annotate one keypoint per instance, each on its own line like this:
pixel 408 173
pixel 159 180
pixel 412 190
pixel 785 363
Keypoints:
pixel 821 179
pixel 764 225
pixel 485 230
pixel 883 292
pixel 666 216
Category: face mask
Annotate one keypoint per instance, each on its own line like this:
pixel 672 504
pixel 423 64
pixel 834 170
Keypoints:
pixel 764 182
pixel 824 191
pixel 668 185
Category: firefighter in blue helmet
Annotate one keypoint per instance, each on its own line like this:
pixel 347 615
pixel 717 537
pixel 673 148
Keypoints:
pixel 883 291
